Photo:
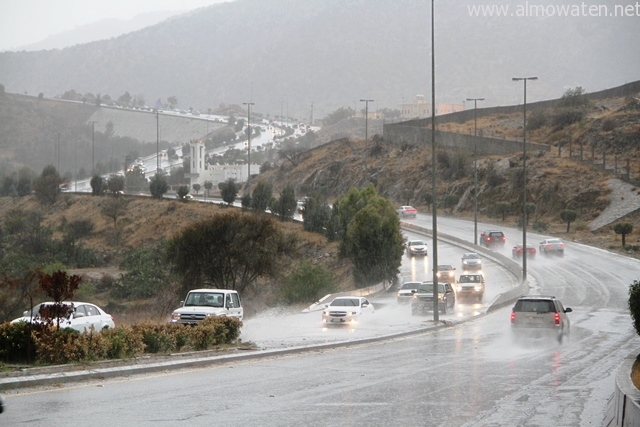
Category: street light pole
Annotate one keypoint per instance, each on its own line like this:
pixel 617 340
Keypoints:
pixel 93 148
pixel 248 104
pixel 366 128
pixel 524 178
pixel 475 168
pixel 157 142
pixel 434 217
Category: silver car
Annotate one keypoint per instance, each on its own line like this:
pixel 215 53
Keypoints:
pixel 539 316
pixel 471 261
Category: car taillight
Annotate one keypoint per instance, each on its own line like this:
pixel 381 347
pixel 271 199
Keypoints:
pixel 513 317
pixel 556 318
pixel 504 238
pixel 562 245
pixel 549 245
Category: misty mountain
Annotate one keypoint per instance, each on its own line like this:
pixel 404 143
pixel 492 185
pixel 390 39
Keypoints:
pixel 287 55
pixel 99 30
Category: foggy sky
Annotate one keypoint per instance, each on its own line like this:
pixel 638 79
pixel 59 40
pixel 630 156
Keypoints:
pixel 25 22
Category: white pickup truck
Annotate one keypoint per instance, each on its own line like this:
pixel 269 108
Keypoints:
pixel 202 303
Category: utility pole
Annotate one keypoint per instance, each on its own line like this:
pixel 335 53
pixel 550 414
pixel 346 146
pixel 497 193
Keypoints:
pixel 475 168
pixel 366 127
pixel 524 178
pixel 93 148
pixel 311 118
pixel 434 216
pixel 157 142
pixel 248 104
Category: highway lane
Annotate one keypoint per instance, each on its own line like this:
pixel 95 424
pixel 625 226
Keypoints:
pixel 466 374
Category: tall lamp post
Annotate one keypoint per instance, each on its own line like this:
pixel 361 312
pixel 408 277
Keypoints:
pixel 434 217
pixel 248 104
pixel 524 178
pixel 366 128
pixel 475 168
pixel 158 142
pixel 93 148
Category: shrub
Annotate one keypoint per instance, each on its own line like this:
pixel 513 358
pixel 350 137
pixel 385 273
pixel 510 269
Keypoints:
pixel 567 116
pixel 124 342
pixel 540 226
pixel 634 304
pixel 307 283
pixel 16 342
pixel 58 346
pixel 537 120
pixel 580 225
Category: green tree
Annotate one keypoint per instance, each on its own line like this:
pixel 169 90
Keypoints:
pixel 245 201
pixel 47 186
pixel 115 184
pixel 287 203
pixel 568 216
pixel 338 115
pixel 158 186
pixel 316 214
pixel 183 190
pixel 114 208
pixel 147 273
pixel 307 283
pixel 530 208
pixel 229 191
pixel 208 185
pixel 623 228
pixel 428 200
pixel 197 188
pixel 261 196
pixel 97 185
pixel 370 236
pixel 502 209
pixel 173 101
pixel 228 251
pixel 125 98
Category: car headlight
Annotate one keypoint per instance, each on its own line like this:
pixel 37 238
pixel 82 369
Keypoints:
pixel 352 313
pixel 465 262
pixel 325 313
pixel 478 288
pixel 175 316
pixel 459 288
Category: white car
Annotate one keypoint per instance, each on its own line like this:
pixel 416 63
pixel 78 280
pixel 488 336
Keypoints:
pixel 346 310
pixel 405 293
pixel 416 247
pixel 82 316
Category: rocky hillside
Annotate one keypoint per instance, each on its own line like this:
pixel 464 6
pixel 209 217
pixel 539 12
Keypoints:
pixel 555 181
pixel 147 222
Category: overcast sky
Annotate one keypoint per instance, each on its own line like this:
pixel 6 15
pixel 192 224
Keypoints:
pixel 23 22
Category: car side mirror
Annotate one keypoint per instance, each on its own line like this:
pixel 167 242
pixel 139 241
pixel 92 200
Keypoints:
pixel 568 310
pixel 181 302
pixel 326 305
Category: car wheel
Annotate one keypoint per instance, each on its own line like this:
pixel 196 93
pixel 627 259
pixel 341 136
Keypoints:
pixel 444 309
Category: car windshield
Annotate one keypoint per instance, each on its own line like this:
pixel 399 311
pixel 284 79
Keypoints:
pixel 471 256
pixel 445 267
pixel 537 306
pixel 553 241
pixel 345 302
pixel 410 285
pixel 428 288
pixel 211 299
pixel 474 278
pixel 416 243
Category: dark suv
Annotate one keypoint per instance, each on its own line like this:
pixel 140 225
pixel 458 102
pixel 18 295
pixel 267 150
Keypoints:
pixel 536 316
pixel 492 237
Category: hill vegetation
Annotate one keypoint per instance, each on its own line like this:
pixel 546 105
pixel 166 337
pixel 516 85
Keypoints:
pixel 331 53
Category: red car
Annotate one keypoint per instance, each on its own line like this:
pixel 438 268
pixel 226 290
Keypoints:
pixel 517 251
